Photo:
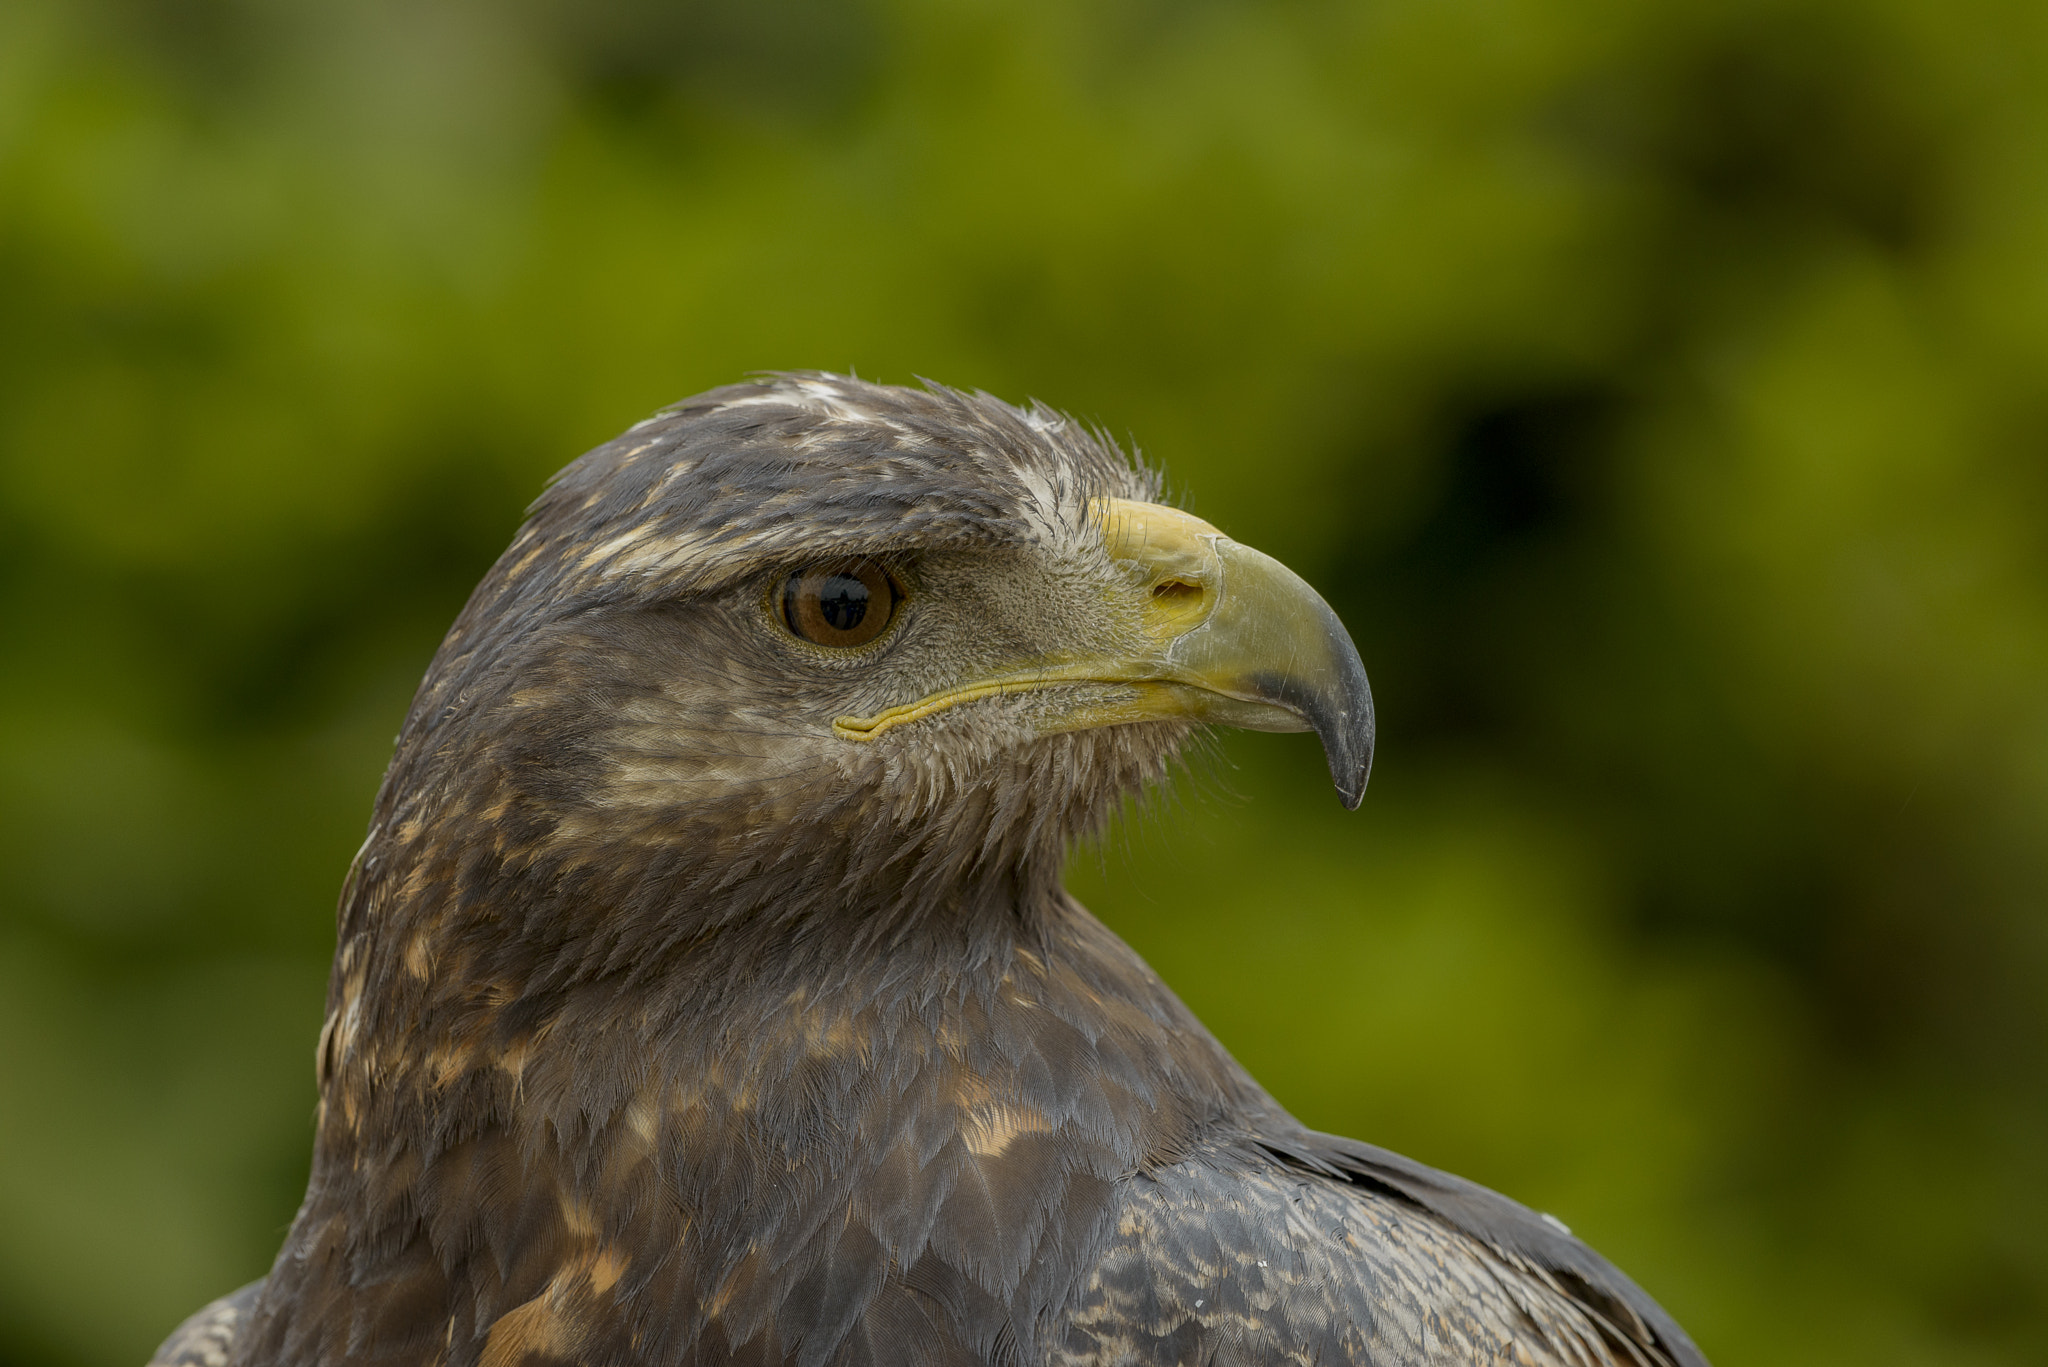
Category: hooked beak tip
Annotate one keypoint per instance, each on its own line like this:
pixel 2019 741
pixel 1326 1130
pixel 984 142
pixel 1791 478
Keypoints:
pixel 1347 733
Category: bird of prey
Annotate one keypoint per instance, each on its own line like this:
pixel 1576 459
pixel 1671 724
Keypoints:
pixel 706 991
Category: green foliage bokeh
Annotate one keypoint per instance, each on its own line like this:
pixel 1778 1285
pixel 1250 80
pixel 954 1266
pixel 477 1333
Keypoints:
pixel 1659 392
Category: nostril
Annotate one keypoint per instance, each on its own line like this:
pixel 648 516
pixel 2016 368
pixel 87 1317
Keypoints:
pixel 1176 590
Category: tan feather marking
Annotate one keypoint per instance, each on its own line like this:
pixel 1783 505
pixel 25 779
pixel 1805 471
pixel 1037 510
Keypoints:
pixel 323 1052
pixel 715 1089
pixel 535 1329
pixel 577 1219
pixel 822 1032
pixel 643 1119
pixel 351 1110
pixel 525 562
pixel 549 1325
pixel 991 1129
pixel 339 1045
pixel 675 472
pixel 447 1061
pixel 419 954
pixel 971 1092
pixel 605 550
pixel 415 884
pixel 716 1304
pixel 607 1265
pixel 642 550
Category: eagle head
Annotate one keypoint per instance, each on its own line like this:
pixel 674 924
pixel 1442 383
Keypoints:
pixel 809 635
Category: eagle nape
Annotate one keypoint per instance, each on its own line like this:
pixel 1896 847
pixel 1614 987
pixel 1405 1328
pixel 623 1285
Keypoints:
pixel 707 990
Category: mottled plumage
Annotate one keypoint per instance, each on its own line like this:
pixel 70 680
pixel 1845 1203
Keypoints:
pixel 705 995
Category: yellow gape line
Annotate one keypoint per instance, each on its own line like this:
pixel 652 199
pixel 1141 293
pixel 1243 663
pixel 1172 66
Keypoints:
pixel 867 728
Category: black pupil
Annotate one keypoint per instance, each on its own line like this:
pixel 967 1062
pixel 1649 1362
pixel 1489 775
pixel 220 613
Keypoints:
pixel 842 601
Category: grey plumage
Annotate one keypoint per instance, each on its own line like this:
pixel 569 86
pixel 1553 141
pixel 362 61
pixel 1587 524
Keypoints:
pixel 707 996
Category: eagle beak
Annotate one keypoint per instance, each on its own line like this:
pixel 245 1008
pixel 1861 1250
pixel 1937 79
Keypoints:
pixel 1238 638
pixel 1225 635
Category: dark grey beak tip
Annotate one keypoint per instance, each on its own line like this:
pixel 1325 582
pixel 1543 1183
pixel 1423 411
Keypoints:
pixel 1350 764
pixel 1346 731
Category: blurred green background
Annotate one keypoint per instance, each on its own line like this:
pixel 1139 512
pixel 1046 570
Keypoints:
pixel 1659 391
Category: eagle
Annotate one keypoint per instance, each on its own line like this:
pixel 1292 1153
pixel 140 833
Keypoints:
pixel 706 991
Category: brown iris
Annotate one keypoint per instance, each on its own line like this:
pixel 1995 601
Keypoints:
pixel 840 602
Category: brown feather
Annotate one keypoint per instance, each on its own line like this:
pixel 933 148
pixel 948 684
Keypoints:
pixel 668 1028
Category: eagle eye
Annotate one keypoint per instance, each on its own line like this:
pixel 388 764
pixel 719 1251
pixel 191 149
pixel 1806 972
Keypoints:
pixel 840 603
